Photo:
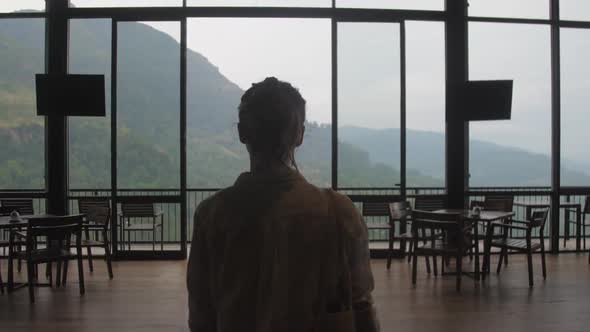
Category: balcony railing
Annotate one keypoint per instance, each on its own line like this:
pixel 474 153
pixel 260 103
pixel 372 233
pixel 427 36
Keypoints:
pixel 172 207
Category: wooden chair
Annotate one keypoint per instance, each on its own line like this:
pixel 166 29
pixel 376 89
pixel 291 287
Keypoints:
pixel 428 203
pixel 4 211
pixel 453 244
pixel 141 210
pixel 398 212
pixel 379 209
pixel 22 206
pixel 537 220
pixel 57 233
pixel 394 212
pixel 4 245
pixel 499 203
pixel 85 204
pixel 98 219
pixel 475 203
pixel 584 223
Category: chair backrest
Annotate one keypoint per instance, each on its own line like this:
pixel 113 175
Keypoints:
pixel 4 211
pixel 22 206
pixel 539 218
pixel 475 203
pixel 586 205
pixel 375 209
pixel 58 228
pixel 430 203
pixel 87 202
pixel 99 215
pixel 499 203
pixel 137 209
pixel 451 222
pixel 399 210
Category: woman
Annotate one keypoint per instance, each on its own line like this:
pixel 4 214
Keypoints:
pixel 273 252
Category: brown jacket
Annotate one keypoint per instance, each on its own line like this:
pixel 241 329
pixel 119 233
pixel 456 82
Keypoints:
pixel 264 255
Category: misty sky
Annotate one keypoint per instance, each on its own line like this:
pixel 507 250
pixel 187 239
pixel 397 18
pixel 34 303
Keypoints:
pixel 298 50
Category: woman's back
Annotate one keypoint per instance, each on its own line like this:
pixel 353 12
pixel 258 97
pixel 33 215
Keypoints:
pixel 266 255
pixel 271 253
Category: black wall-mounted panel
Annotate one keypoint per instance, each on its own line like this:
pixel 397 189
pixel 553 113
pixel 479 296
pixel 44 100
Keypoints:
pixel 488 100
pixel 70 95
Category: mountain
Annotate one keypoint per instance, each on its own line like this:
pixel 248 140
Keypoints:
pixel 148 123
pixel 490 164
pixel 147 120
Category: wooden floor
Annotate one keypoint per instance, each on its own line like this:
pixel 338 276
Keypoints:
pixel 151 296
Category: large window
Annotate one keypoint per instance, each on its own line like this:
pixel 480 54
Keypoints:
pixel 22 5
pixel 575 10
pixel 393 4
pixel 22 51
pixel 388 87
pixel 126 3
pixel 368 104
pixel 575 71
pixel 90 138
pixel 425 105
pixel 515 152
pixel 262 3
pixel 225 57
pixel 510 8
pixel 148 107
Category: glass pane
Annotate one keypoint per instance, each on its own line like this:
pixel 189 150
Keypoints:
pixel 22 5
pixel 575 10
pixel 368 104
pixel 509 8
pixel 90 138
pixel 425 104
pixel 514 152
pixel 261 3
pixel 575 70
pixel 393 4
pixel 126 3
pixel 22 132
pixel 294 50
pixel 148 107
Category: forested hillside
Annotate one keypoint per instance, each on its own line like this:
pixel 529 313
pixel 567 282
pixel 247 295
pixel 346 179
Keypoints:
pixel 148 123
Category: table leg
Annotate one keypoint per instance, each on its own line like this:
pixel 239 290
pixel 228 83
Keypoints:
pixel 122 225
pixel 566 227
pixel 485 269
pixel 578 226
pixel 476 232
pixel 403 229
pixel 10 281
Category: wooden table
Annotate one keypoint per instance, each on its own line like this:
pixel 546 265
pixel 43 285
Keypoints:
pixel 545 203
pixel 6 223
pixel 485 216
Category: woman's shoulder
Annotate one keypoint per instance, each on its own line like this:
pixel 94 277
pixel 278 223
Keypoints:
pixel 207 207
pixel 340 202
pixel 346 213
